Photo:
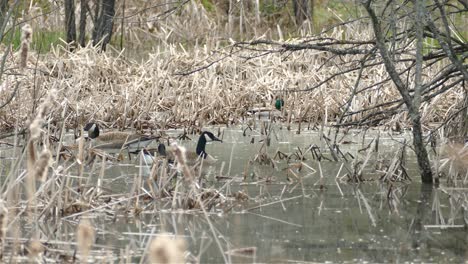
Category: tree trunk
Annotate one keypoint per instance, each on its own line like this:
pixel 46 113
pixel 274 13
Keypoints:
pixel 82 27
pixel 464 125
pixel 70 27
pixel 418 142
pixel 105 24
pixel 422 211
pixel 97 11
pixel 412 102
pixel 421 152
pixel 3 11
pixel 301 11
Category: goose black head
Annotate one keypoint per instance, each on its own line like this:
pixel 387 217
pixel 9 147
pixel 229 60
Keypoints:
pixel 202 143
pixel 162 149
pixel 93 130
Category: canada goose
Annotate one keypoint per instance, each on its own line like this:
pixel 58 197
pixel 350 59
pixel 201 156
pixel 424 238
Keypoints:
pixel 192 156
pixel 148 157
pixel 163 153
pixel 117 140
pixel 201 144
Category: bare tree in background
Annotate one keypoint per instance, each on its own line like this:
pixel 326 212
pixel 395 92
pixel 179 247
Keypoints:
pixel 302 10
pixel 3 10
pixel 82 25
pixel 104 24
pixel 70 26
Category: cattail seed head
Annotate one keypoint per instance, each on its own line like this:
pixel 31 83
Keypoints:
pixel 47 102
pixel 85 237
pixel 26 33
pixel 42 165
pixel 166 250
pixel 31 154
pixel 35 248
pixel 35 128
pixel 26 36
pixel 179 153
pixel 3 220
pixel 44 106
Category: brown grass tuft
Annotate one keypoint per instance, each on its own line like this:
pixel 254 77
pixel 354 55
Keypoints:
pixel 166 250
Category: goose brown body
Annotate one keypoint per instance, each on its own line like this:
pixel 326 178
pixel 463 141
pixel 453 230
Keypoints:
pixel 117 139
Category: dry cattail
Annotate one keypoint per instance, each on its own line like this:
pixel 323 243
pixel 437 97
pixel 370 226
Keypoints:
pixel 85 237
pixel 46 103
pixel 42 165
pixel 3 220
pixel 36 124
pixel 81 144
pixel 35 128
pixel 166 250
pixel 35 248
pixel 30 186
pixel 179 153
pixel 31 154
pixel 26 36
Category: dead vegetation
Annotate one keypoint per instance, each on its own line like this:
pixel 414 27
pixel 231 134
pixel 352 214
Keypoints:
pixel 122 93
pixel 66 90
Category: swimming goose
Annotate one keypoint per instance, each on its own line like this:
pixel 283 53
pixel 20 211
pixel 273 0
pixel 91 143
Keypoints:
pixel 192 156
pixel 201 144
pixel 163 153
pixel 117 140
pixel 148 157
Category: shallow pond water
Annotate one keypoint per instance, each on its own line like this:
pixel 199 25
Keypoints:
pixel 289 221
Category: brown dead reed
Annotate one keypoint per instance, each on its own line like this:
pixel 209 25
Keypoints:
pixel 157 93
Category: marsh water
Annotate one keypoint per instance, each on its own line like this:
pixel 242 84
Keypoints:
pixel 317 219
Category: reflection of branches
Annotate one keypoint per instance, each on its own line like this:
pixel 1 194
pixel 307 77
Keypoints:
pixel 360 197
pixel 394 194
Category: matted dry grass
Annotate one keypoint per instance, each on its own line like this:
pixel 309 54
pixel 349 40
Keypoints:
pixel 156 93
